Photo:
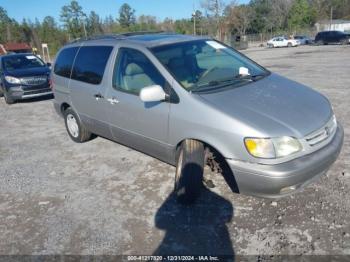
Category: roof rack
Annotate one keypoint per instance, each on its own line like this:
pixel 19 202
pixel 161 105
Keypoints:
pixel 96 37
pixel 115 36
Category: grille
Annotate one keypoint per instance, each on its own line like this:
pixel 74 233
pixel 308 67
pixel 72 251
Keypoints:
pixel 34 92
pixel 34 80
pixel 322 134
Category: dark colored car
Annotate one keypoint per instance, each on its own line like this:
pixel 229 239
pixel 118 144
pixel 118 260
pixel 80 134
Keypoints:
pixel 23 76
pixel 332 37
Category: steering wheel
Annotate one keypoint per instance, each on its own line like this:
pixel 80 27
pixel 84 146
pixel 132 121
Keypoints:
pixel 207 72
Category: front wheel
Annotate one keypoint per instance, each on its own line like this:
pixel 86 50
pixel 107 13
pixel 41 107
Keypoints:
pixel 9 100
pixel 76 130
pixel 290 45
pixel 189 171
pixel 344 42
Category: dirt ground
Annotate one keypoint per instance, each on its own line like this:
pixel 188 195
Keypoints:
pixel 58 197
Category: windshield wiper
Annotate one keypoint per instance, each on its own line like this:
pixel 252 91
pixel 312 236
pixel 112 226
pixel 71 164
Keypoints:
pixel 225 82
pixel 253 78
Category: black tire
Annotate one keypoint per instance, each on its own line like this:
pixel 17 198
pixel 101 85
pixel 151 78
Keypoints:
pixel 189 171
pixel 320 42
pixel 8 99
pixel 289 45
pixel 82 134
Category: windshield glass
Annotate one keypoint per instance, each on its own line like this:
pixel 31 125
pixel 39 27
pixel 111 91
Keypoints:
pixel 199 65
pixel 16 62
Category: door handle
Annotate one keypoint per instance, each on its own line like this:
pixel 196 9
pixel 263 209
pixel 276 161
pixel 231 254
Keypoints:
pixel 113 101
pixel 98 96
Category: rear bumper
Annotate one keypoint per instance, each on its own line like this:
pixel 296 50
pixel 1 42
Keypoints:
pixel 57 108
pixel 275 181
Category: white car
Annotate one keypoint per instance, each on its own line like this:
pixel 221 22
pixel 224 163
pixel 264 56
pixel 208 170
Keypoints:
pixel 282 42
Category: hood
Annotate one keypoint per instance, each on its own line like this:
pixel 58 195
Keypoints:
pixel 275 106
pixel 29 72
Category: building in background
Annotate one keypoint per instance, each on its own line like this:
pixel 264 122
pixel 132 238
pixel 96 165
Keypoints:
pixel 15 48
pixel 334 25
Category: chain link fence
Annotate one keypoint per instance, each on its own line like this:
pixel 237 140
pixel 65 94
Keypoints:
pixel 256 40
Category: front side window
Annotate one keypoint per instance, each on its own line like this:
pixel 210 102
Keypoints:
pixel 90 64
pixel 134 71
pixel 207 64
pixel 20 62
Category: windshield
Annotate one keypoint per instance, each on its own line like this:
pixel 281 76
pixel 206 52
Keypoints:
pixel 199 65
pixel 17 62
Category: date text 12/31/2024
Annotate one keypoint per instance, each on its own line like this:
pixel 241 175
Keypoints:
pixel 173 258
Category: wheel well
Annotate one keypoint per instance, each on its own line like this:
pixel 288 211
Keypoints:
pixel 217 163
pixel 64 107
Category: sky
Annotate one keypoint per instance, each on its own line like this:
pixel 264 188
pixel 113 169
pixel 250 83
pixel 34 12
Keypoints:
pixel 31 9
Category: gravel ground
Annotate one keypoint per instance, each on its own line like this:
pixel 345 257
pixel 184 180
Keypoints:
pixel 58 197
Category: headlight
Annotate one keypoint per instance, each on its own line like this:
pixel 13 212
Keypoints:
pixel 272 147
pixel 286 146
pixel 12 80
pixel 260 147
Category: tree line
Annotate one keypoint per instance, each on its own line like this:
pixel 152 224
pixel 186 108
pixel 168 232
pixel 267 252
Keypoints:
pixel 214 18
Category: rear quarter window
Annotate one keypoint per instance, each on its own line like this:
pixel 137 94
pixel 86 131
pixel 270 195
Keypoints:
pixel 64 62
pixel 90 64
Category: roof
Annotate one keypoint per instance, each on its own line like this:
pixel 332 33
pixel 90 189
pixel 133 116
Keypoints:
pixel 144 39
pixel 16 46
pixel 153 40
pixel 335 21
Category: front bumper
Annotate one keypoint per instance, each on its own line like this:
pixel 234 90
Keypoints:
pixel 20 94
pixel 275 181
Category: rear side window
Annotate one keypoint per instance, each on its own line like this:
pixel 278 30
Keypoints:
pixel 90 64
pixel 64 62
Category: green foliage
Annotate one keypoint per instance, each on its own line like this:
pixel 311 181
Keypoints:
pixel 93 24
pixel 255 17
pixel 73 18
pixel 301 15
pixel 5 24
pixel 261 10
pixel 126 16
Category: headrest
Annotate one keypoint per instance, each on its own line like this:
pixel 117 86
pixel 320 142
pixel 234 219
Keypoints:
pixel 133 69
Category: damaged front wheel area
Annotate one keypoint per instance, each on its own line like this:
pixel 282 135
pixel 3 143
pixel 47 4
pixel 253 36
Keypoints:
pixel 189 171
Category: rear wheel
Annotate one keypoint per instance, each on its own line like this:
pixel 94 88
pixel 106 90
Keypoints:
pixel 189 171
pixel 320 42
pixel 76 130
pixel 289 45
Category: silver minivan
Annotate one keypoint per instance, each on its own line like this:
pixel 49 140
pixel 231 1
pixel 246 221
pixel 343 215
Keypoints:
pixel 192 101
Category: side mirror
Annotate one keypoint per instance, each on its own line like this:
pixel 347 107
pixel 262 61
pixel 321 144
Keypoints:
pixel 49 64
pixel 153 93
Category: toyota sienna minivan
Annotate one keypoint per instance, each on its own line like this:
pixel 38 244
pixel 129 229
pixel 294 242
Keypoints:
pixel 180 98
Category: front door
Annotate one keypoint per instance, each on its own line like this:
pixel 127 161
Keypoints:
pixel 133 122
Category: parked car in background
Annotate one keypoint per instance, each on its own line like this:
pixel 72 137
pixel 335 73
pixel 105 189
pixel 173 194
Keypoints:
pixel 23 76
pixel 186 99
pixel 303 39
pixel 282 41
pixel 332 37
